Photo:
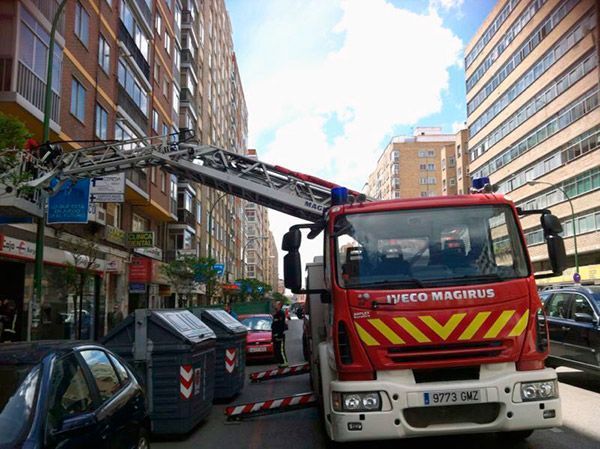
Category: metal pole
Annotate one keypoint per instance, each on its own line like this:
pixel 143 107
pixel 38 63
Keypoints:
pixel 210 221
pixel 41 222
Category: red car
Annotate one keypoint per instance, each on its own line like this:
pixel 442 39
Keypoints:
pixel 259 341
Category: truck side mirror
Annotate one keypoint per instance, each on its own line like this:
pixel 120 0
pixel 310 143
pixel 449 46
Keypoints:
pixel 291 240
pixel 292 271
pixel 556 253
pixel 551 224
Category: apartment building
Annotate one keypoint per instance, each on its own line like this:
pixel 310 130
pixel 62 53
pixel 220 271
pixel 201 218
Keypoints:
pixel 454 163
pixel 272 277
pixel 532 102
pixel 211 102
pixel 410 166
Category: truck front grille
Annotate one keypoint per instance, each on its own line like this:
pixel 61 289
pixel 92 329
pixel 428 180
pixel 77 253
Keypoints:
pixel 431 353
pixel 421 417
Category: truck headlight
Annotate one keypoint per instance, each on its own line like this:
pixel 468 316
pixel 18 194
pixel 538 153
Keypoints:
pixel 539 391
pixel 356 402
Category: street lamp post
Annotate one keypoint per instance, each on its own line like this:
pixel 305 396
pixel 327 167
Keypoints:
pixel 532 183
pixel 41 222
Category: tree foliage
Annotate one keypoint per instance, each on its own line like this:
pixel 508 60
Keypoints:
pixel 181 274
pixel 252 289
pixel 13 132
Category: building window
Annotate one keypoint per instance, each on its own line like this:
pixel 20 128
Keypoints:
pixel 158 24
pixel 133 88
pixel 138 223
pixel 104 54
pixel 198 212
pixel 101 122
pixel 77 100
pixel 167 43
pixel 153 175
pixel 430 167
pixel 165 88
pixel 163 181
pixel 82 24
pixel 165 129
pixel 156 71
pixel 139 37
pixel 113 214
pixel 452 181
pixel 155 120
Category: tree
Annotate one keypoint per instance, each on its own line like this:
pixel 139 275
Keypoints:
pixel 280 297
pixel 85 254
pixel 182 273
pixel 13 136
pixel 208 275
pixel 252 289
pixel 13 132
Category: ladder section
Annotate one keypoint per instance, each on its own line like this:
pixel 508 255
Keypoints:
pixel 302 196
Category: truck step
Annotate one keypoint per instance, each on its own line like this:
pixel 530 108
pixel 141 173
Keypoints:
pixel 276 373
pixel 271 406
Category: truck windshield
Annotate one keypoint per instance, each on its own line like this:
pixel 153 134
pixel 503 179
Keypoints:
pixel 428 247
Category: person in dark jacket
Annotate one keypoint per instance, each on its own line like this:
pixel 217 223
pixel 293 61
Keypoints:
pixel 278 329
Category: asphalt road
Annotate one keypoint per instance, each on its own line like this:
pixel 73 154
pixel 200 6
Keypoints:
pixel 301 429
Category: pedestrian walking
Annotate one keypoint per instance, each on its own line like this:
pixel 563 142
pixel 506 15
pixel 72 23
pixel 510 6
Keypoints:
pixel 278 329
pixel 230 311
pixel 9 332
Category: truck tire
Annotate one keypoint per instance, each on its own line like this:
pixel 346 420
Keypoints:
pixel 516 435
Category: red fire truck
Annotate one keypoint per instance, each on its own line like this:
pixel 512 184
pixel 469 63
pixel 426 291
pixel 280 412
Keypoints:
pixel 423 312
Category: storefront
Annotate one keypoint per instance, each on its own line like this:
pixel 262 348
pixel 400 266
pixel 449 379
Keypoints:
pixel 54 316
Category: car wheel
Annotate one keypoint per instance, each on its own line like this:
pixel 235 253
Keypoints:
pixel 143 440
pixel 516 435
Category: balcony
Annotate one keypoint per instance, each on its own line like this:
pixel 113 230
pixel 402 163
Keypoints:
pixel 187 18
pixel 186 217
pixel 187 57
pixel 134 51
pixel 132 109
pixel 144 10
pixel 48 9
pixel 33 89
pixel 188 97
pixel 5 74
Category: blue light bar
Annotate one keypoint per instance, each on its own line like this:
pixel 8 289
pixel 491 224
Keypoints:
pixel 339 195
pixel 480 183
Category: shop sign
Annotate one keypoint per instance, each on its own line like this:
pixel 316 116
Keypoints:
pixel 71 203
pixel 115 235
pixel 19 248
pixel 187 253
pixel 137 287
pixel 140 239
pixel 108 189
pixel 154 252
pixel 140 269
pixel 114 266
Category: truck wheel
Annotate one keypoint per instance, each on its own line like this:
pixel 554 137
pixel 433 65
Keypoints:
pixel 516 435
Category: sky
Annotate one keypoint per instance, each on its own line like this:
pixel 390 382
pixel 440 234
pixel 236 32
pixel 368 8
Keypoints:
pixel 328 83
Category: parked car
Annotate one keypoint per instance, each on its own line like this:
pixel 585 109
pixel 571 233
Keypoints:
pixel 259 341
pixel 573 315
pixel 68 394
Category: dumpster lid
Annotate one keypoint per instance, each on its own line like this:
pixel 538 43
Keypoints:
pixel 186 324
pixel 225 320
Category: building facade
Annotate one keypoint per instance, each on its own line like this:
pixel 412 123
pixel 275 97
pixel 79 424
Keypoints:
pixel 123 69
pixel 410 166
pixel 532 103
pixel 454 163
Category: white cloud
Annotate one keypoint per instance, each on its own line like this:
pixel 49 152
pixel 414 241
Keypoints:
pixel 363 66
pixel 457 126
pixel 445 4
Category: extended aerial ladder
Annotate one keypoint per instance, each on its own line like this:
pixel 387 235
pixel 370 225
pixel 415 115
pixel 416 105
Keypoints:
pixel 302 196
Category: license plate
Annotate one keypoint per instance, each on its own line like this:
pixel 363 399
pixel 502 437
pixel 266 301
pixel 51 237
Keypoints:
pixel 451 397
pixel 257 349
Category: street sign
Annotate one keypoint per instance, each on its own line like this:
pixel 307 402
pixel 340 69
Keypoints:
pixel 140 239
pixel 137 287
pixel 108 189
pixel 219 268
pixel 152 252
pixel 71 203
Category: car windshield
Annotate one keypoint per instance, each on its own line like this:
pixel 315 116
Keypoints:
pixel 257 323
pixel 440 246
pixel 17 401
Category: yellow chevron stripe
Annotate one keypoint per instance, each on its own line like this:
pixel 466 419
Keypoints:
pixel 474 326
pixel 365 336
pixel 520 326
pixel 412 330
pixel 445 330
pixel 499 324
pixel 386 331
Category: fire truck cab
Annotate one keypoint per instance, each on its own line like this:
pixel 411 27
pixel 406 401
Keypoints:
pixel 423 319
